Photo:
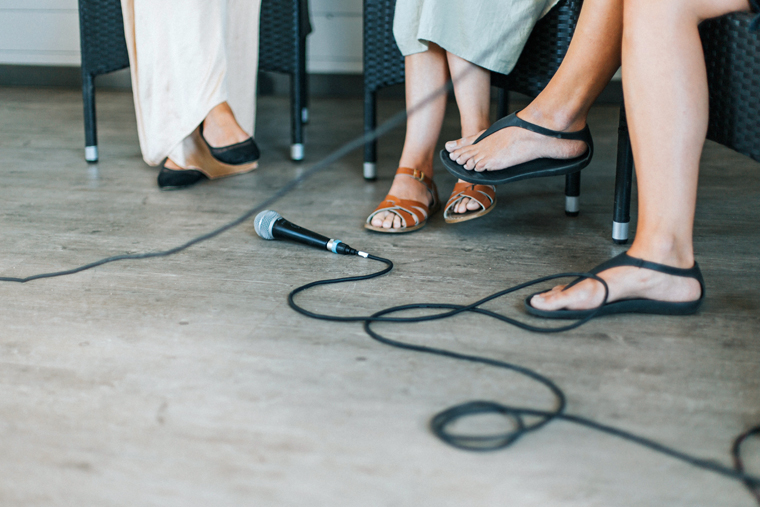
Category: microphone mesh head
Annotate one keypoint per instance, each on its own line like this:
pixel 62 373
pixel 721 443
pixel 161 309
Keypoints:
pixel 263 223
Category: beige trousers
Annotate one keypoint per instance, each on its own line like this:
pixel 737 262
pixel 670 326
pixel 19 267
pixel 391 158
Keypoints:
pixel 186 57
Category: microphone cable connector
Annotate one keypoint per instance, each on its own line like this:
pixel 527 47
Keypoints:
pixel 338 247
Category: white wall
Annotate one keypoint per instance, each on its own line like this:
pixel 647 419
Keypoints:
pixel 46 32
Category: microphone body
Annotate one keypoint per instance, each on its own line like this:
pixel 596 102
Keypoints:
pixel 270 225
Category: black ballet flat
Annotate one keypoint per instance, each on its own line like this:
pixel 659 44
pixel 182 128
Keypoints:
pixel 244 152
pixel 170 179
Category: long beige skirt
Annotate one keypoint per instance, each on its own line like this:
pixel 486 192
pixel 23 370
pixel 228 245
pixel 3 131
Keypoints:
pixel 488 33
pixel 186 57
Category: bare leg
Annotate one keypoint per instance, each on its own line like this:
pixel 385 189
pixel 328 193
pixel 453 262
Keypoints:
pixel 591 61
pixel 427 73
pixel 220 129
pixel 667 105
pixel 472 88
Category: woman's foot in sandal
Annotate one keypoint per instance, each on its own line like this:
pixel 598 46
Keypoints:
pixel 469 201
pixel 673 285
pixel 411 200
pixel 512 146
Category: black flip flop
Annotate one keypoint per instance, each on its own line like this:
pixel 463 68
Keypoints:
pixel 532 169
pixel 630 305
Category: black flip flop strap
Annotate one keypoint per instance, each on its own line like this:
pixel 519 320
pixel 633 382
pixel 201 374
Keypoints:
pixel 514 121
pixel 626 260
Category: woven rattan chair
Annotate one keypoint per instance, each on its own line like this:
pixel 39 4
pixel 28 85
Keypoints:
pixel 543 53
pixel 732 54
pixel 282 48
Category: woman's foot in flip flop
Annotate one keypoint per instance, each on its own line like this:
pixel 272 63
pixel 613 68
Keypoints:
pixel 625 282
pixel 513 146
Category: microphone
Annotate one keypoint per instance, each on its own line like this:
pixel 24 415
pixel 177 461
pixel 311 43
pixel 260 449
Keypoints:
pixel 270 225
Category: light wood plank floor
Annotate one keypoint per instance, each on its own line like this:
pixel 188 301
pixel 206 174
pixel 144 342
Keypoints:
pixel 189 382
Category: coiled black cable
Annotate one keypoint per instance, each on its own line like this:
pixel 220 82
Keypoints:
pixel 441 423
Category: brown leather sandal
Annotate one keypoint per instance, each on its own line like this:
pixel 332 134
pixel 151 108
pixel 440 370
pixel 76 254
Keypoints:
pixel 482 194
pixel 414 214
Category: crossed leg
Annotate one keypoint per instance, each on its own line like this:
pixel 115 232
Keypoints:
pixel 665 86
pixel 426 73
pixel 592 59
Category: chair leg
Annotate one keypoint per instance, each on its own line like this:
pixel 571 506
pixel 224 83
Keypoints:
pixel 573 194
pixel 370 147
pixel 90 126
pixel 304 85
pixel 623 179
pixel 502 109
pixel 296 123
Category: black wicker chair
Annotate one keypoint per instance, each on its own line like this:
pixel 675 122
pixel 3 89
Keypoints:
pixel 543 53
pixel 282 48
pixel 732 53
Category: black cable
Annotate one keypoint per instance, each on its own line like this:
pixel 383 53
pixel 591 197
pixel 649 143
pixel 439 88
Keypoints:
pixel 736 452
pixel 440 423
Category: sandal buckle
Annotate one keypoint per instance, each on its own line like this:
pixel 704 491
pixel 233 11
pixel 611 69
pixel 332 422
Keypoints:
pixel 419 175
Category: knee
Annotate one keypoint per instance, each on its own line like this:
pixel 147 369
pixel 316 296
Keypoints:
pixel 647 18
pixel 636 12
pixel 670 12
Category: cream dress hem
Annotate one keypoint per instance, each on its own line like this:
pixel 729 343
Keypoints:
pixel 488 33
pixel 186 57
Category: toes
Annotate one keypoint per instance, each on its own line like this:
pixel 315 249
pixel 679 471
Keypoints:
pixel 377 220
pixel 473 205
pixel 461 156
pixel 460 143
pixel 582 296
pixel 388 221
pixel 396 222
pixel 453 145
pixel 462 206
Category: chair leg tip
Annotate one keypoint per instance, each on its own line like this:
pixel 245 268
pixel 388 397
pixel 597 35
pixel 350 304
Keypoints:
pixel 620 233
pixel 572 206
pixel 296 152
pixel 91 153
pixel 370 171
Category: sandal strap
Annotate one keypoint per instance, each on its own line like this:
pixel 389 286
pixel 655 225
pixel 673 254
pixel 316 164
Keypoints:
pixel 626 260
pixel 476 192
pixel 425 180
pixel 514 121
pixel 406 209
pixel 417 175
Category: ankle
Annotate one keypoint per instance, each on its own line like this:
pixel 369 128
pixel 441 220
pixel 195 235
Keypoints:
pixel 663 249
pixel 471 128
pixel 561 117
pixel 423 165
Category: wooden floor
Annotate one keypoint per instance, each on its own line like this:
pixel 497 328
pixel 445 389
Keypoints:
pixel 188 381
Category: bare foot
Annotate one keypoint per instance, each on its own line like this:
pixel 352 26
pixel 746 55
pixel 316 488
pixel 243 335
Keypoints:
pixel 509 147
pixel 220 128
pixel 404 187
pixel 625 282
